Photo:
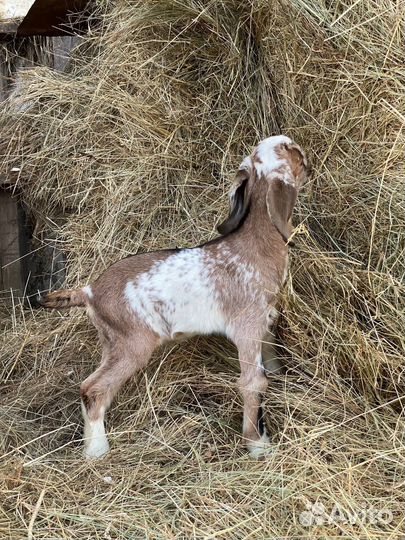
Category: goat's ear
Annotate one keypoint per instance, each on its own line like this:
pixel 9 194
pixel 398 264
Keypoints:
pixel 299 163
pixel 239 203
pixel 280 199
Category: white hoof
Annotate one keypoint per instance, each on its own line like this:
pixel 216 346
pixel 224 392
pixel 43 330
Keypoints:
pixel 97 448
pixel 260 448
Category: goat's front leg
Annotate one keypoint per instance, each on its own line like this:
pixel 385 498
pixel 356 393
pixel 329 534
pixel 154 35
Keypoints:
pixel 253 384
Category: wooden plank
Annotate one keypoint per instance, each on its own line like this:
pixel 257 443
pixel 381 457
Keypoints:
pixel 9 26
pixel 62 46
pixel 10 263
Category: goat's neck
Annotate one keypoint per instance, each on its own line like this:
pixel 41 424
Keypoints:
pixel 259 238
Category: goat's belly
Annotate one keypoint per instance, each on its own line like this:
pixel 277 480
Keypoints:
pixel 196 318
pixel 176 309
pixel 181 323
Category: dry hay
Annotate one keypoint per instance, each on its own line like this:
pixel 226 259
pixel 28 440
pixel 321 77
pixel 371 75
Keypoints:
pixel 133 149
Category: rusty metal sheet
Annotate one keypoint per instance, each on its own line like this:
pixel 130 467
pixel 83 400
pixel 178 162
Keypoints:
pixel 47 17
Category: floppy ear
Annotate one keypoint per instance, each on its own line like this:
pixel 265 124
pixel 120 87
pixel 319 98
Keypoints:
pixel 280 199
pixel 298 162
pixel 239 204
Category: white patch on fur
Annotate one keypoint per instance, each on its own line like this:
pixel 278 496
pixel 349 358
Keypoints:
pixel 95 439
pixel 177 295
pixel 247 277
pixel 87 289
pixel 270 161
pixel 261 447
pixel 246 164
pixel 245 271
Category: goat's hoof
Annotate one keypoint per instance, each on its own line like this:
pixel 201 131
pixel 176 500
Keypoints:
pixel 97 450
pixel 260 448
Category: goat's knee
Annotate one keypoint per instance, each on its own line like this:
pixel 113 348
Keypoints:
pixel 95 397
pixel 253 382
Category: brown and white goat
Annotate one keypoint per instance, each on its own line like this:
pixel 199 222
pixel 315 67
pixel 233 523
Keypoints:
pixel 228 286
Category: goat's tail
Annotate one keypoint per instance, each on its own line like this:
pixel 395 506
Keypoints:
pixel 64 299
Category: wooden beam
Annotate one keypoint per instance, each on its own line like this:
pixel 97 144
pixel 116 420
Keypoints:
pixel 9 26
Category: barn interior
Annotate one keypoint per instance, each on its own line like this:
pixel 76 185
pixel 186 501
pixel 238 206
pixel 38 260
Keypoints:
pixel 122 125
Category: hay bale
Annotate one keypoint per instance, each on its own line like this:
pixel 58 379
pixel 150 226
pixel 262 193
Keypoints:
pixel 133 149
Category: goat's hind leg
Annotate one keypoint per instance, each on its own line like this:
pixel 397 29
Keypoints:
pixel 94 404
pixel 98 390
pixel 270 357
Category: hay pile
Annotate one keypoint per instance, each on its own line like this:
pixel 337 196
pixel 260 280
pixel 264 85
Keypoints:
pixel 133 149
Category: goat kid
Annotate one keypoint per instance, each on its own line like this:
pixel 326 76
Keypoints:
pixel 228 286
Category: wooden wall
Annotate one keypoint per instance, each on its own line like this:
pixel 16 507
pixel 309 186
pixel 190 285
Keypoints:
pixel 27 263
pixel 11 275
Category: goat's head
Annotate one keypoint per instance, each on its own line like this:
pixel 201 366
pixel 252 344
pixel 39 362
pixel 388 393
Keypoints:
pixel 280 163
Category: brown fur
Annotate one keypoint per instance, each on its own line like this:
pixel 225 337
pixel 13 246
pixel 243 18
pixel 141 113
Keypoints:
pixel 281 198
pixel 267 252
pixel 64 299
